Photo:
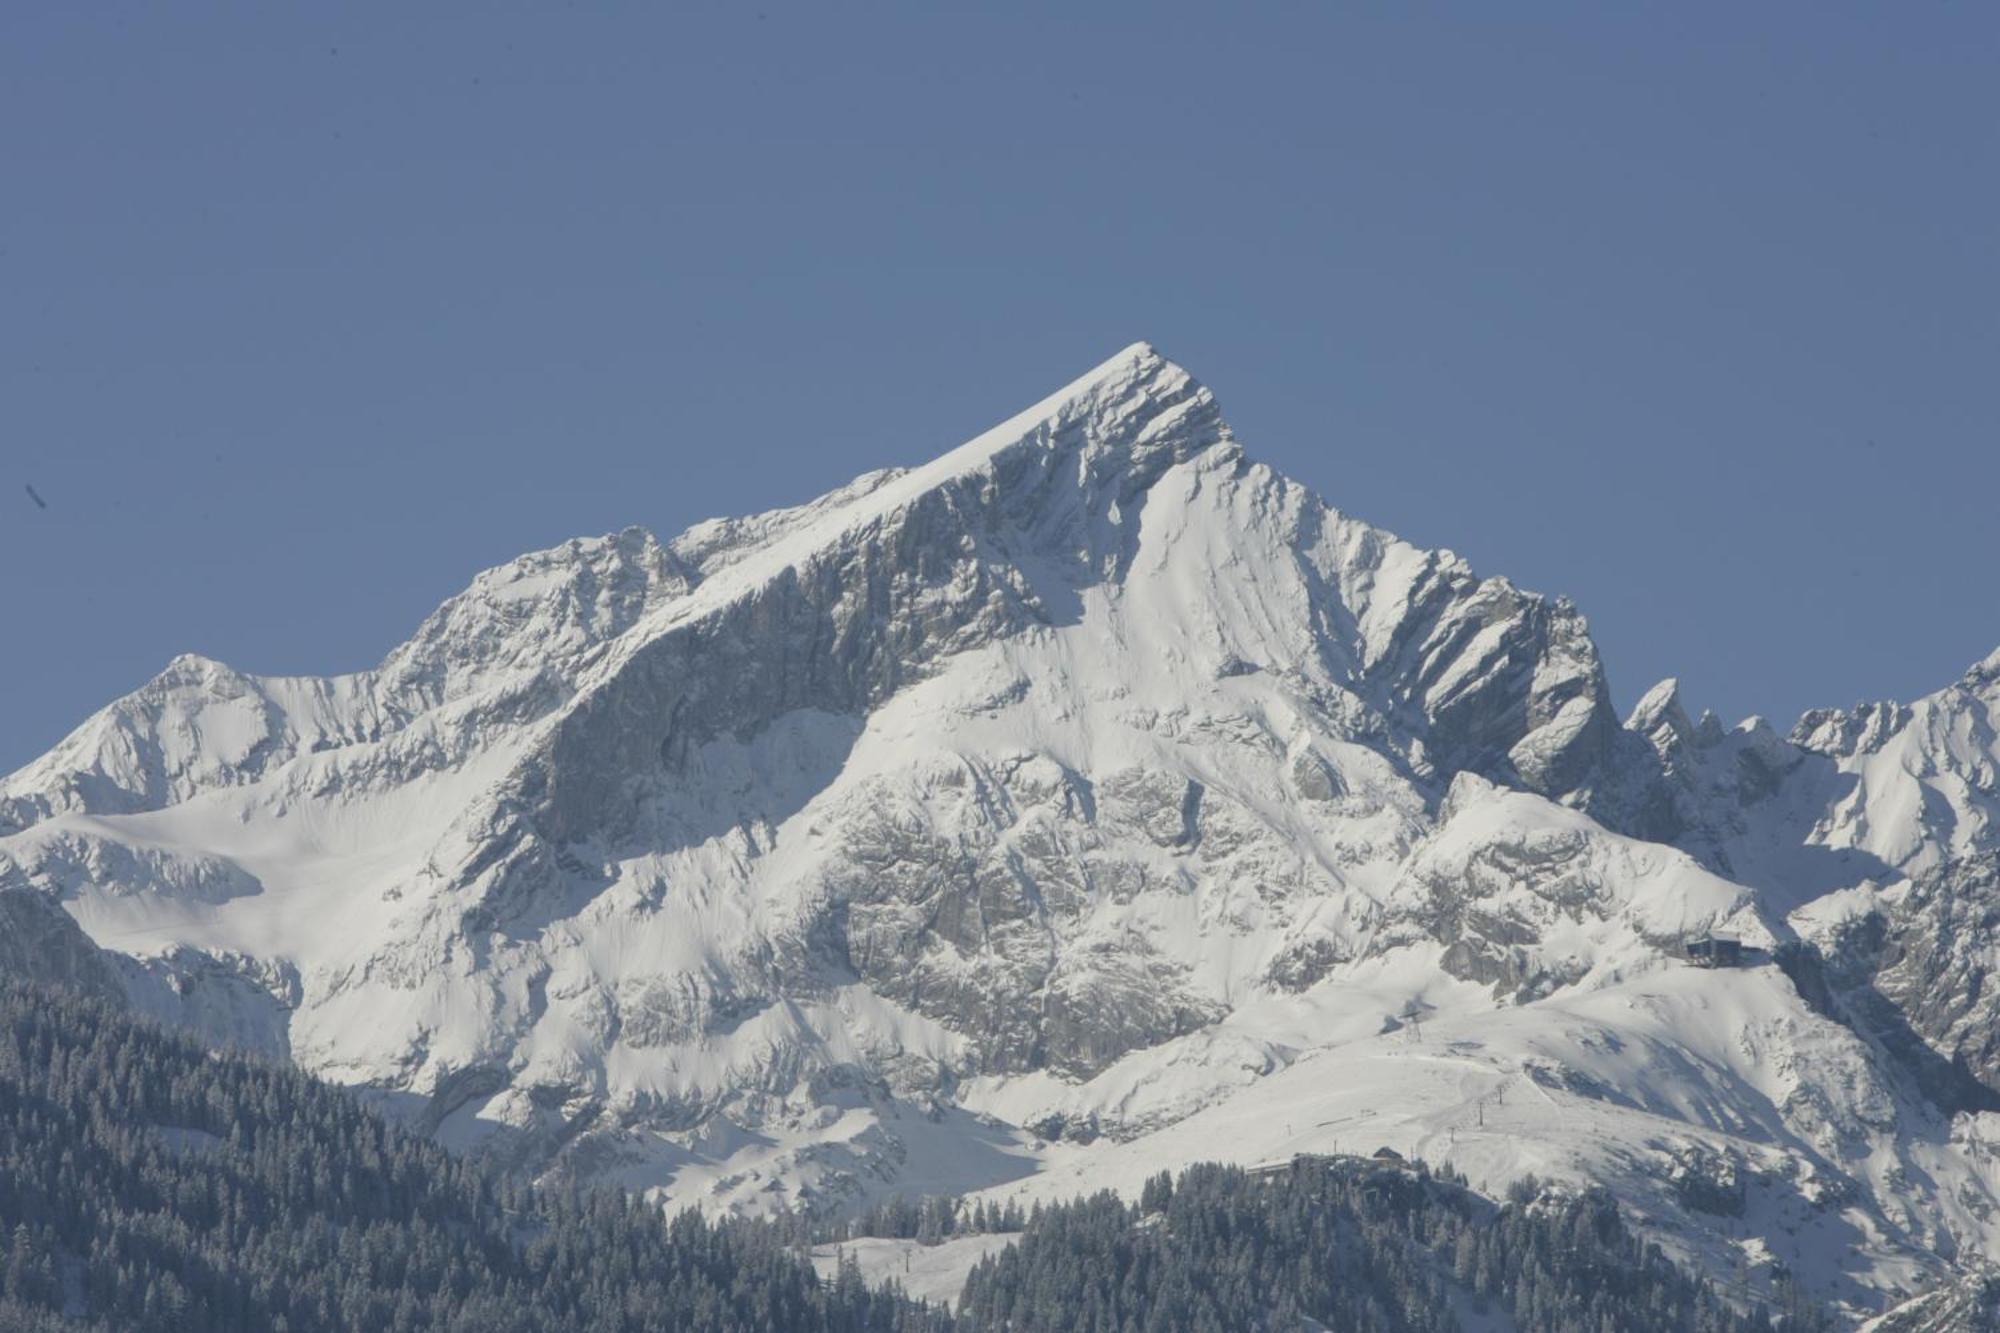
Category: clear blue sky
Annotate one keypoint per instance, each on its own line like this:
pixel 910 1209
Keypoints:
pixel 1690 312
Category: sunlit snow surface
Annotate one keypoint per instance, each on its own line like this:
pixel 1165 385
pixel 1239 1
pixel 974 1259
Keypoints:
pixel 1085 802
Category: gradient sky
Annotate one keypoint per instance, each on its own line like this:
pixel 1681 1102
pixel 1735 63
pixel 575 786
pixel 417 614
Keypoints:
pixel 1690 312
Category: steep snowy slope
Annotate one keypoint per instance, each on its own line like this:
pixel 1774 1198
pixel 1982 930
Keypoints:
pixel 1070 672
pixel 1089 797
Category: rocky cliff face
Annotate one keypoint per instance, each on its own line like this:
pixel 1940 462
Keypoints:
pixel 1875 827
pixel 1083 783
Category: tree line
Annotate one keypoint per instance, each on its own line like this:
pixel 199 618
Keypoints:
pixel 153 1186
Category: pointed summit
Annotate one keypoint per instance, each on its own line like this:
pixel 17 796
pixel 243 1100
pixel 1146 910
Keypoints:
pixel 1134 409
pixel 1661 719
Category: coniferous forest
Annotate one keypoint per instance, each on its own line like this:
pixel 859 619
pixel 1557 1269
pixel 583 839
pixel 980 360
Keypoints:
pixel 149 1184
pixel 1346 1244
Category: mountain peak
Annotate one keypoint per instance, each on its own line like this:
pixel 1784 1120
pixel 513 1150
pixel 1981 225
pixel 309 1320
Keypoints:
pixel 1984 672
pixel 1141 355
pixel 1659 706
pixel 1128 402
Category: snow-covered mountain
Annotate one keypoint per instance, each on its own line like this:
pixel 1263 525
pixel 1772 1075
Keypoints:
pixel 1089 799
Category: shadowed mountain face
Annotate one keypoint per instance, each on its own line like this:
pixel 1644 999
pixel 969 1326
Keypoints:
pixel 40 944
pixel 1090 782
